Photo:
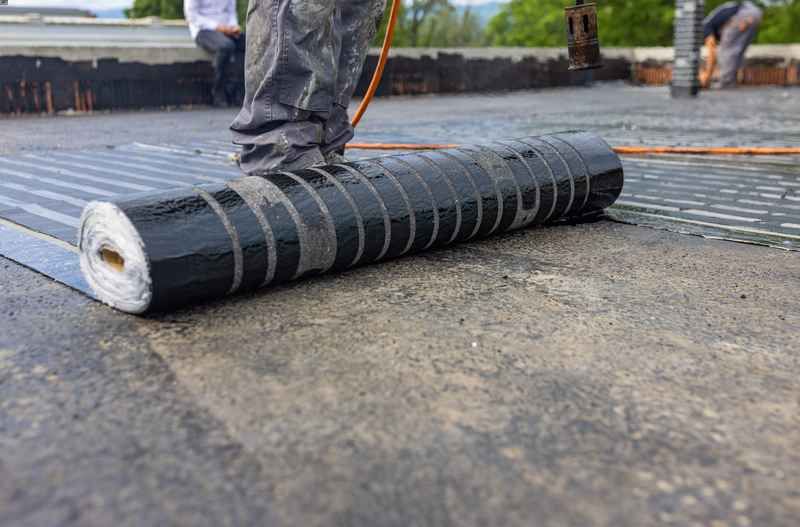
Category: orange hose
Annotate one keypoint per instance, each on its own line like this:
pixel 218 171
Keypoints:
pixel 694 150
pixel 398 146
pixel 700 150
pixel 384 56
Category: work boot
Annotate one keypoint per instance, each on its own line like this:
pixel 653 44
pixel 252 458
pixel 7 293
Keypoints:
pixel 272 158
pixel 286 145
pixel 335 158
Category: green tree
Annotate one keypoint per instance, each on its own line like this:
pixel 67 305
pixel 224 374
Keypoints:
pixel 167 9
pixel 528 23
pixel 401 37
pixel 448 28
pixel 623 22
pixel 432 23
pixel 781 23
pixel 416 14
pixel 533 22
pixel 636 22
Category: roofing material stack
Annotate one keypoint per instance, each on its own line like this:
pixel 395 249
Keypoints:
pixel 688 43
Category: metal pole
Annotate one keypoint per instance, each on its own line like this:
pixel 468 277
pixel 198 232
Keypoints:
pixel 688 43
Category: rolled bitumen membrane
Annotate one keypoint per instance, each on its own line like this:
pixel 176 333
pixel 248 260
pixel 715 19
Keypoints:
pixel 164 250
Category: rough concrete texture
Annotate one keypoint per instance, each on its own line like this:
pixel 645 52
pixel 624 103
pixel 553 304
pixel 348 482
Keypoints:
pixel 599 374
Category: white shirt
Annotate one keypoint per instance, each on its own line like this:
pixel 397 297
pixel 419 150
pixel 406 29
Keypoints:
pixel 209 14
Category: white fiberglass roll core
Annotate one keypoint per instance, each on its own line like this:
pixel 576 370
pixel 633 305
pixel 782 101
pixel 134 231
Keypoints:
pixel 113 258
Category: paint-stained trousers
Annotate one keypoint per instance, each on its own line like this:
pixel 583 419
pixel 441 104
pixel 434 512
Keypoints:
pixel 302 64
pixel 734 43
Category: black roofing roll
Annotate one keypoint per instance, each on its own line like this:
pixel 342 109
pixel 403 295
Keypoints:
pixel 163 250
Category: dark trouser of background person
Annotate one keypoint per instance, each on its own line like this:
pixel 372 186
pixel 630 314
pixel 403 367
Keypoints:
pixel 737 35
pixel 303 62
pixel 223 48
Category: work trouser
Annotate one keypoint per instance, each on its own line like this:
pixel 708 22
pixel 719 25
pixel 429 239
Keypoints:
pixel 222 47
pixel 734 42
pixel 302 64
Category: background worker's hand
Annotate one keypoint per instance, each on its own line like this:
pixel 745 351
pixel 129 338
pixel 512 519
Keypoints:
pixel 705 79
pixel 744 24
pixel 231 31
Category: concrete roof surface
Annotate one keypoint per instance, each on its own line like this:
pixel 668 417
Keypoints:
pixel 593 375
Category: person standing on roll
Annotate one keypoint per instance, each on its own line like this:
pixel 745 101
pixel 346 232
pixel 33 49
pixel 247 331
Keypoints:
pixel 214 26
pixel 302 64
pixel 729 30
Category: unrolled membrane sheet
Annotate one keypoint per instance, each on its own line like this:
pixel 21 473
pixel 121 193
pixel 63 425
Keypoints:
pixel 163 250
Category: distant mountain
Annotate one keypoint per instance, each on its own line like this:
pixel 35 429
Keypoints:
pixel 485 12
pixel 110 13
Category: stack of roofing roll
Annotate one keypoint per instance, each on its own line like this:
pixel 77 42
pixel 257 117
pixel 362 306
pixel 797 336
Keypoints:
pixel 164 250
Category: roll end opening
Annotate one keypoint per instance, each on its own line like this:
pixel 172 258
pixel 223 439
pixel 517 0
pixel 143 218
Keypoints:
pixel 113 259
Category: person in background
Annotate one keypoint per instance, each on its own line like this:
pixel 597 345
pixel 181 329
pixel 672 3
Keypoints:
pixel 303 62
pixel 729 30
pixel 214 27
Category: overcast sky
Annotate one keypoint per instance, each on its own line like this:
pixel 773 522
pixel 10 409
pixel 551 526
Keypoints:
pixel 113 4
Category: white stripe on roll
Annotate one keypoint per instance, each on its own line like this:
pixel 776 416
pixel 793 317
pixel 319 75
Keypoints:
pixel 238 257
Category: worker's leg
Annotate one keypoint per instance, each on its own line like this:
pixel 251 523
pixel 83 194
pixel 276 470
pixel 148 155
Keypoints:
pixel 290 81
pixel 355 26
pixel 735 41
pixel 222 48
pixel 234 77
